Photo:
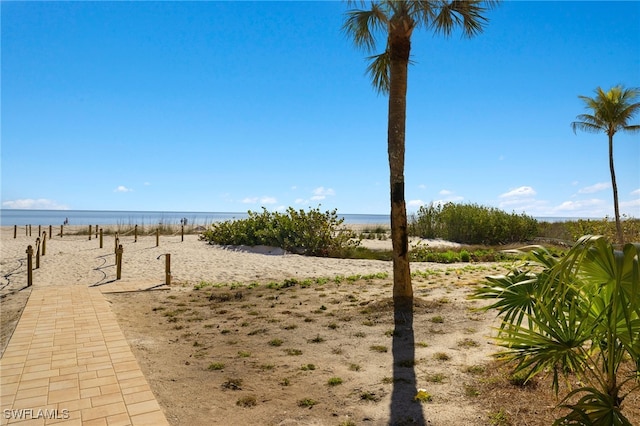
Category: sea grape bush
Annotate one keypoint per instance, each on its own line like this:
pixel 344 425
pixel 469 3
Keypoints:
pixel 312 232
pixel 472 224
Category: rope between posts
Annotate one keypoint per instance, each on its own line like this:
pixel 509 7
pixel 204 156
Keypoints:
pixel 12 272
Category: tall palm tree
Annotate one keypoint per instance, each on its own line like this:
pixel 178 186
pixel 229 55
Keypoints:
pixel 610 112
pixel 397 19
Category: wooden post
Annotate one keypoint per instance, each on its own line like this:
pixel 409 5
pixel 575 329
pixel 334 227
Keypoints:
pixel 182 233
pixel 117 243
pixel 50 232
pixel 90 232
pixel 44 243
pixel 29 230
pixel 61 230
pixel 96 231
pixel 100 237
pixel 29 266
pixel 135 234
pixel 119 262
pixel 157 237
pixel 39 230
pixel 15 231
pixel 38 253
pixel 167 269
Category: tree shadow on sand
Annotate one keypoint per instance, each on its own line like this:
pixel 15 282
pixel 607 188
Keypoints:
pixel 404 409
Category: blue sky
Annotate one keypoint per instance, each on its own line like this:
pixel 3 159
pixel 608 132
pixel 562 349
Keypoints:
pixel 231 106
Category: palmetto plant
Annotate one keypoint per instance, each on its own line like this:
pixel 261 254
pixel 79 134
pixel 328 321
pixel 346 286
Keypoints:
pixel 579 314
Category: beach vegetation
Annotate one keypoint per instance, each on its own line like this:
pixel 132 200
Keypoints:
pixel 307 402
pixel 397 20
pixel 247 401
pixel 610 112
pixel 577 316
pixel 312 232
pixel 334 381
pixel 472 224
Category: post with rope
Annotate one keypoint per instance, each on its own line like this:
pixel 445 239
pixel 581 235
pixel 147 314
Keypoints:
pixel 157 237
pixel 38 253
pixel 167 268
pixel 44 243
pixel 90 232
pixel 115 250
pixel 135 234
pixel 29 266
pixel 119 262
pixel 100 237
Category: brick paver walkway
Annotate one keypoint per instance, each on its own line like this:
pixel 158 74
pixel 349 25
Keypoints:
pixel 68 363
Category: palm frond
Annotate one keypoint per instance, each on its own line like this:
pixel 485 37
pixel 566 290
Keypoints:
pixel 594 408
pixel 378 70
pixel 362 25
pixel 611 111
pixel 465 14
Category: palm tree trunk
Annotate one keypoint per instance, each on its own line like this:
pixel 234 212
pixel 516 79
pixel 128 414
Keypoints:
pixel 616 209
pixel 399 47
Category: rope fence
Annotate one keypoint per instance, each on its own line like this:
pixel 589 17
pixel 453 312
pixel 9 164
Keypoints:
pixel 40 249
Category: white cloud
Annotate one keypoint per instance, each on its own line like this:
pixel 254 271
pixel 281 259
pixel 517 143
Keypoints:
pixel 594 188
pixel 147 184
pixel 523 191
pixel 321 193
pixel 445 192
pixel 585 206
pixel 452 199
pixel 262 200
pixel 122 188
pixel 415 203
pixel 636 192
pixel 422 186
pixel 33 204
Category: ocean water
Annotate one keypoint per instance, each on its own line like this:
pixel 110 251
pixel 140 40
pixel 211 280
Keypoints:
pixel 10 217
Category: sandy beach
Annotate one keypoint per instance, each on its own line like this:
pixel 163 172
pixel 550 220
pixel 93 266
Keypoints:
pixel 258 336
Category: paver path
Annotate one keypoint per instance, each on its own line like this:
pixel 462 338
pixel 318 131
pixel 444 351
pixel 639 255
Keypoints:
pixel 68 363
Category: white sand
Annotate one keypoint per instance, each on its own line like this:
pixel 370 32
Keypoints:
pixel 74 259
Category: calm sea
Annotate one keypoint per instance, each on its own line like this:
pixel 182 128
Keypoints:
pixel 10 217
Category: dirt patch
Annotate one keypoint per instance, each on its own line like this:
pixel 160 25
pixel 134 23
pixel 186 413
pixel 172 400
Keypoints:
pixel 329 353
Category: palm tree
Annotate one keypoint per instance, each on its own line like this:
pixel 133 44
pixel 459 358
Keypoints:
pixel 397 19
pixel 611 112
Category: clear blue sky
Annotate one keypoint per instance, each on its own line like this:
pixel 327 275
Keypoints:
pixel 230 106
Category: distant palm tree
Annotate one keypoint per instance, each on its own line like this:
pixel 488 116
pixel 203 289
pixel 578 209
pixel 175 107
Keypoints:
pixel 397 19
pixel 611 112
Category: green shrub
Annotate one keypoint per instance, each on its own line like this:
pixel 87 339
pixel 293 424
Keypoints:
pixel 311 233
pixel 472 224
